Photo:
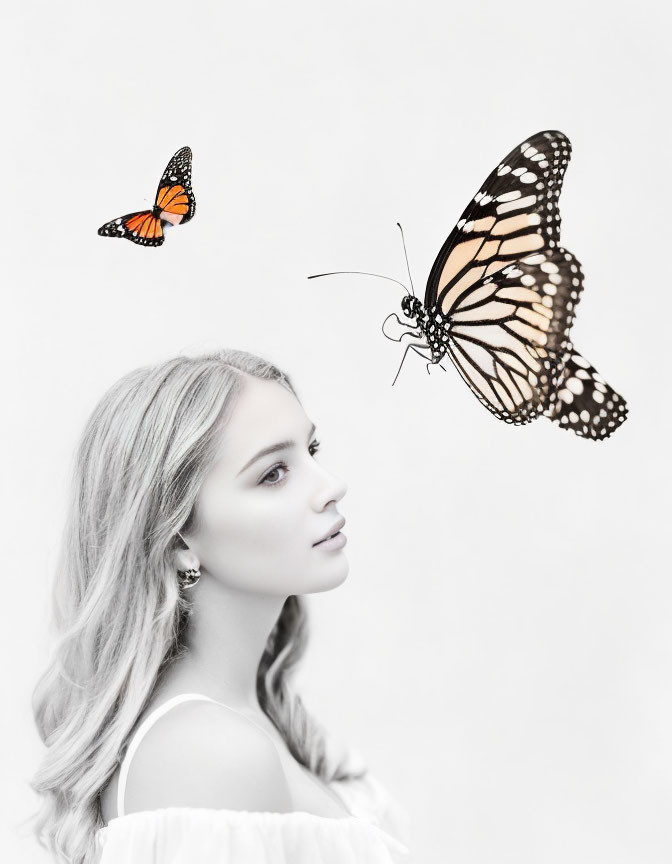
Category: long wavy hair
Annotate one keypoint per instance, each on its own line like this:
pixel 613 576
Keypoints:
pixel 118 613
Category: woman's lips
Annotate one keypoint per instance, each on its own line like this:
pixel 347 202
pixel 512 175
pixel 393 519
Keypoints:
pixel 338 541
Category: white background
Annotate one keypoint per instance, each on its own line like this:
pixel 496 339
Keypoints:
pixel 501 652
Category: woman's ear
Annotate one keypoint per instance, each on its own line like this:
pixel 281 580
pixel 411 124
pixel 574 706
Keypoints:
pixel 184 557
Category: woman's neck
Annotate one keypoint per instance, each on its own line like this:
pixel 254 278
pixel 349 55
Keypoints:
pixel 225 640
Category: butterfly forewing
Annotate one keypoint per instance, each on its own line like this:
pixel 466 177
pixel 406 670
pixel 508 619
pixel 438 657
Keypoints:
pixel 141 227
pixel 175 195
pixel 514 214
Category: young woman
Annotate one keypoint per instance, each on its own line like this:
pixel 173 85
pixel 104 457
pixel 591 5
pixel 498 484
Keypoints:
pixel 198 518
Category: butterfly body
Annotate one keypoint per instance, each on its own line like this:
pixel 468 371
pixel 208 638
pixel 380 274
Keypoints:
pixel 501 299
pixel 433 326
pixel 174 204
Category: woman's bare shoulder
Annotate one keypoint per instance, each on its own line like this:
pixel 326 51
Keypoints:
pixel 201 754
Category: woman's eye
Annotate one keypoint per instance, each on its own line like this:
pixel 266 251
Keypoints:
pixel 271 478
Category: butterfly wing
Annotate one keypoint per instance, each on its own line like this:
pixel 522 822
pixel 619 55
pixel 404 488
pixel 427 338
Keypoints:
pixel 509 333
pixel 175 196
pixel 514 213
pixel 141 227
pixel 585 403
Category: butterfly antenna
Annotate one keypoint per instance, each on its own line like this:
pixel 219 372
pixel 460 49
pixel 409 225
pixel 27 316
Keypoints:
pixel 408 266
pixel 360 273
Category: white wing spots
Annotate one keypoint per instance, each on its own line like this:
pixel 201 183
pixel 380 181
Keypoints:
pixel 549 288
pixel 530 153
pixel 575 385
pixel 549 267
pixel 503 169
pixel 529 201
pixel 598 397
pixel 579 360
pixel 534 259
pixel 528 177
pixel 518 171
pixel 486 199
pixel 461 223
pixel 566 397
pixel 478 196
pixel 509 196
pixel 528 279
pixel 468 226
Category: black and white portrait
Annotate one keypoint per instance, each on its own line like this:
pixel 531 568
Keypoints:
pixel 369 568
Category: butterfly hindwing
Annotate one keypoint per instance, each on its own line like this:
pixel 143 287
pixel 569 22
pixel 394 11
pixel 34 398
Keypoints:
pixel 514 213
pixel 584 402
pixel 174 195
pixel 141 227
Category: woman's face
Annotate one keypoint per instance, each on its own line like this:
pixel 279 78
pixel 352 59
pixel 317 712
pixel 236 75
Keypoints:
pixel 258 517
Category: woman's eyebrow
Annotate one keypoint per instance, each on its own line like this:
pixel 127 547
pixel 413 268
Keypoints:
pixel 281 445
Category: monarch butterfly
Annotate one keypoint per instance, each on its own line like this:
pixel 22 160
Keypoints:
pixel 501 298
pixel 174 203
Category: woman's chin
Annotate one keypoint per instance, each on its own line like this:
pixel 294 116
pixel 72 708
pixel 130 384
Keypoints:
pixel 327 582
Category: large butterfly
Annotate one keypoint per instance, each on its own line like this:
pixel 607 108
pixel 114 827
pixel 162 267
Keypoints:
pixel 501 298
pixel 174 203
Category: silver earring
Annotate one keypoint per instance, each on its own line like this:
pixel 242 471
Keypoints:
pixel 189 577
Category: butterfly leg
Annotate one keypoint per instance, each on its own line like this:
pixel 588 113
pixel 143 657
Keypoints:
pixel 408 329
pixel 412 345
pixel 430 361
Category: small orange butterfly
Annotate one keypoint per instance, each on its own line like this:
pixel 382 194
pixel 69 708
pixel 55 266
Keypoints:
pixel 174 203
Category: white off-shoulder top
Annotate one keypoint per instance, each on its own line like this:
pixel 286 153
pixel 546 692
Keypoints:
pixel 376 831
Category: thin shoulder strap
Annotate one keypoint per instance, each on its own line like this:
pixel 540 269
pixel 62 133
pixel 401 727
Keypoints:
pixel 147 724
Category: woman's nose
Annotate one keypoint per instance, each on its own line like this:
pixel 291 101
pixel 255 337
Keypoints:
pixel 332 488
